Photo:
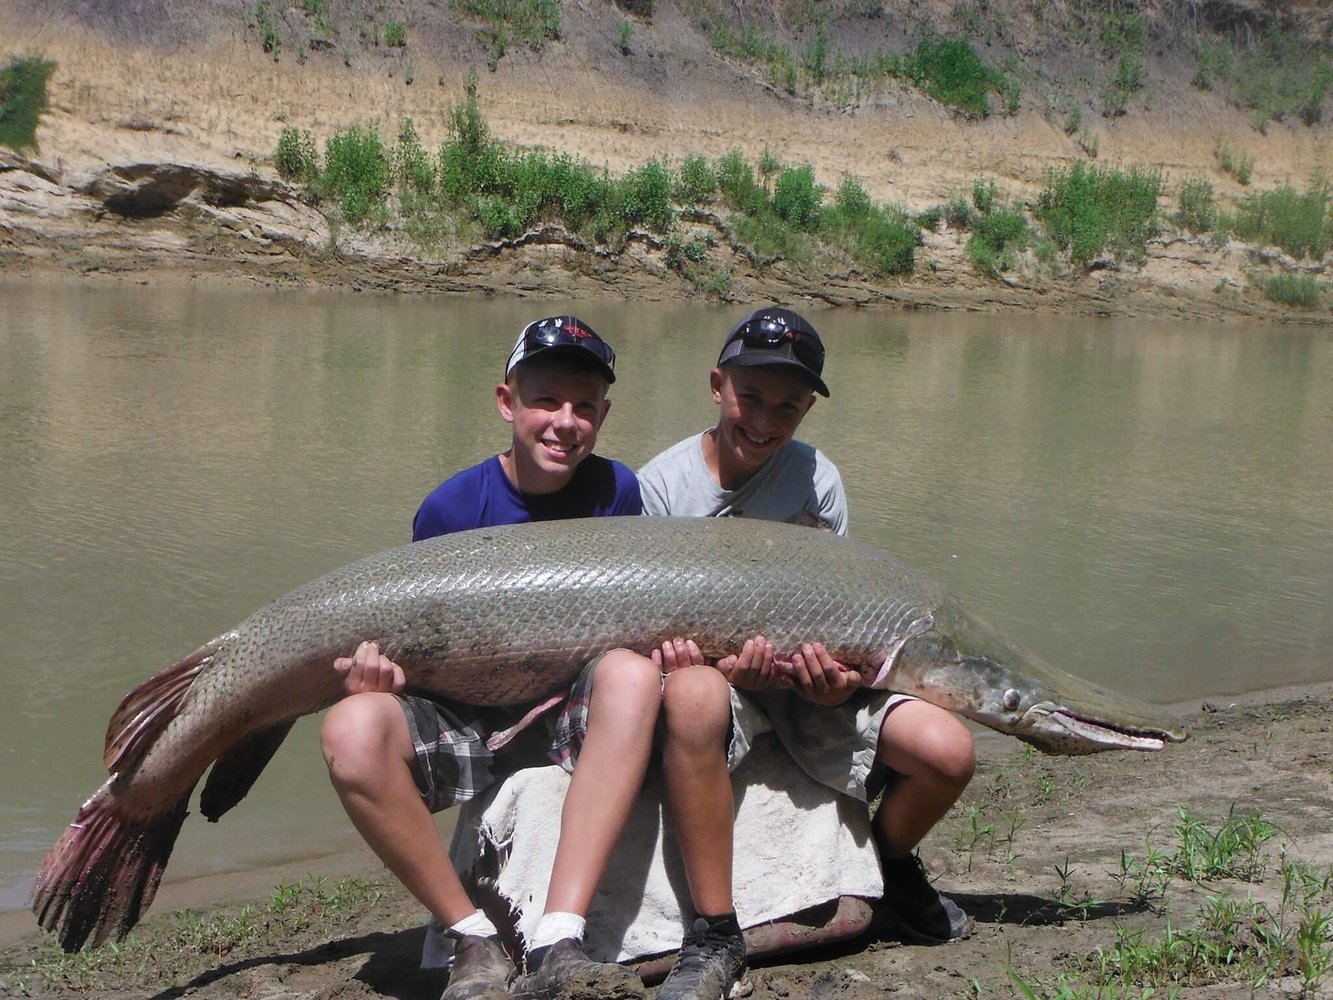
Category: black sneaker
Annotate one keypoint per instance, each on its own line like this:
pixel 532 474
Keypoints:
pixel 563 970
pixel 711 966
pixel 481 969
pixel 923 915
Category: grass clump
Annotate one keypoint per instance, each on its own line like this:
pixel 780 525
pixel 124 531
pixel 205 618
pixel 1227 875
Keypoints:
pixel 23 83
pixel 1282 75
pixel 1229 941
pixel 1088 209
pixel 528 22
pixel 1300 291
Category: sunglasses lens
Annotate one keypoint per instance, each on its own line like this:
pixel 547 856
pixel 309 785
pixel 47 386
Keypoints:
pixel 547 333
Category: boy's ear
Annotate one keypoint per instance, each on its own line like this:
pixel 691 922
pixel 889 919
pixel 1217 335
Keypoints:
pixel 504 401
pixel 715 383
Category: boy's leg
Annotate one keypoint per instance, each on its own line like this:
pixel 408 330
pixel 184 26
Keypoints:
pixel 368 748
pixel 696 704
pixel 933 756
pixel 625 698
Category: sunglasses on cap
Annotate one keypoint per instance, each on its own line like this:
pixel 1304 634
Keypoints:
pixel 562 332
pixel 776 336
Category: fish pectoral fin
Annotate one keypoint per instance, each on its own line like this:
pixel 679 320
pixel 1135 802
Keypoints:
pixel 884 677
pixel 146 711
pixel 237 770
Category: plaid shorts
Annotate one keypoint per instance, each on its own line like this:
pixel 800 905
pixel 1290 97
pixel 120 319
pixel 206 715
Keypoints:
pixel 453 763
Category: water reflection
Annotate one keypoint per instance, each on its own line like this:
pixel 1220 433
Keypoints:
pixel 1143 504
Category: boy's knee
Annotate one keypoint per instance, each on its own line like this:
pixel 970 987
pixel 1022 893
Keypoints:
pixel 361 731
pixel 629 678
pixel 696 698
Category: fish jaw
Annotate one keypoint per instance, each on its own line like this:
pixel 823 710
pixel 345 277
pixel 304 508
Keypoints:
pixel 959 663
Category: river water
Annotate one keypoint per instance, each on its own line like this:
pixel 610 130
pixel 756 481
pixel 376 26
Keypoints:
pixel 1149 505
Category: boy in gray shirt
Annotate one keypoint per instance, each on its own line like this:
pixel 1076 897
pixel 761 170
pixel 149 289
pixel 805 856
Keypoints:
pixel 857 742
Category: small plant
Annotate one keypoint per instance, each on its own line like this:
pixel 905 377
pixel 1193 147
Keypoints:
pixel 797 198
pixel 395 35
pixel 23 83
pixel 696 183
pixel 1238 165
pixel 1196 208
pixel 1299 223
pixel 356 172
pixel 624 32
pixel 296 157
pixel 268 30
pixel 1073 120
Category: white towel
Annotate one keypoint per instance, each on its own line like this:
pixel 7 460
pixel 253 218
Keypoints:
pixel 797 845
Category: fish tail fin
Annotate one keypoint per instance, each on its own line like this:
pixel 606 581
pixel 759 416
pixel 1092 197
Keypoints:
pixel 104 870
pixel 145 712
pixel 235 772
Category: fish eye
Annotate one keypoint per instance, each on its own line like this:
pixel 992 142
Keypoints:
pixel 1011 700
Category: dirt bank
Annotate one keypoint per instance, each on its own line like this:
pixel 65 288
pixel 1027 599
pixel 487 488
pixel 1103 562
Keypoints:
pixel 155 160
pixel 1054 856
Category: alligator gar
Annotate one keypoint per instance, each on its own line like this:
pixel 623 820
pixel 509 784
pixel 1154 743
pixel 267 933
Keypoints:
pixel 508 615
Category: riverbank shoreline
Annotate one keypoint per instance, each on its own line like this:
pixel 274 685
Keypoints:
pixel 155 164
pixel 1036 850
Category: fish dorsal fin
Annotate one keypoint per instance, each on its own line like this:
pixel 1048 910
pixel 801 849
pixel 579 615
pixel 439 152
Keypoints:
pixel 145 712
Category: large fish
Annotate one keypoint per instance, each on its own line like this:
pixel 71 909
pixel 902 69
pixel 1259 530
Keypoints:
pixel 508 615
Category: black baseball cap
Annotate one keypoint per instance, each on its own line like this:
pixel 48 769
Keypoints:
pixel 776 336
pixel 568 335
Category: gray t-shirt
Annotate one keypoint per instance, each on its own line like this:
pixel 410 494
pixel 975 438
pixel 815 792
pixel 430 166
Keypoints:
pixel 797 484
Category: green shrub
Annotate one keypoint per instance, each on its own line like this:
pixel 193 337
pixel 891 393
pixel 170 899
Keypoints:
pixel 412 167
pixel 851 203
pixel 296 158
pixel 950 71
pixel 356 172
pixel 1298 290
pixel 395 35
pixel 735 180
pixel 647 197
pixel 23 83
pixel 983 195
pixel 697 183
pixel 1087 209
pixel 996 236
pixel 1196 207
pixel 797 198
pixel 886 242
pixel 268 30
pixel 1284 217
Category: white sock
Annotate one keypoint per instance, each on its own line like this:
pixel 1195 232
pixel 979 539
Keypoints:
pixel 554 926
pixel 477 924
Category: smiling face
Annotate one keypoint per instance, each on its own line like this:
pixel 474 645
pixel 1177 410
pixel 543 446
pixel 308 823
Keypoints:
pixel 761 407
pixel 556 410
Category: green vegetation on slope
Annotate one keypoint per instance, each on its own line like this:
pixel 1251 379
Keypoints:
pixel 23 100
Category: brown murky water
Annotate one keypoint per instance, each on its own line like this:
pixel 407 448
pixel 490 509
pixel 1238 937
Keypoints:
pixel 1149 505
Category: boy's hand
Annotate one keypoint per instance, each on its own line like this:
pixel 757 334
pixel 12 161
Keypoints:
pixel 369 670
pixel 755 669
pixel 821 679
pixel 678 653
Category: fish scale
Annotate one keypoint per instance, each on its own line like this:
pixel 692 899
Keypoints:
pixel 508 615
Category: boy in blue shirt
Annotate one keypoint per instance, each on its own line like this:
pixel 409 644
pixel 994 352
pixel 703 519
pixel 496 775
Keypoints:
pixel 394 759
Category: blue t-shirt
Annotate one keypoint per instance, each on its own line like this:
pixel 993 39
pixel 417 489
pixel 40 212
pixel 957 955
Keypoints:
pixel 483 496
